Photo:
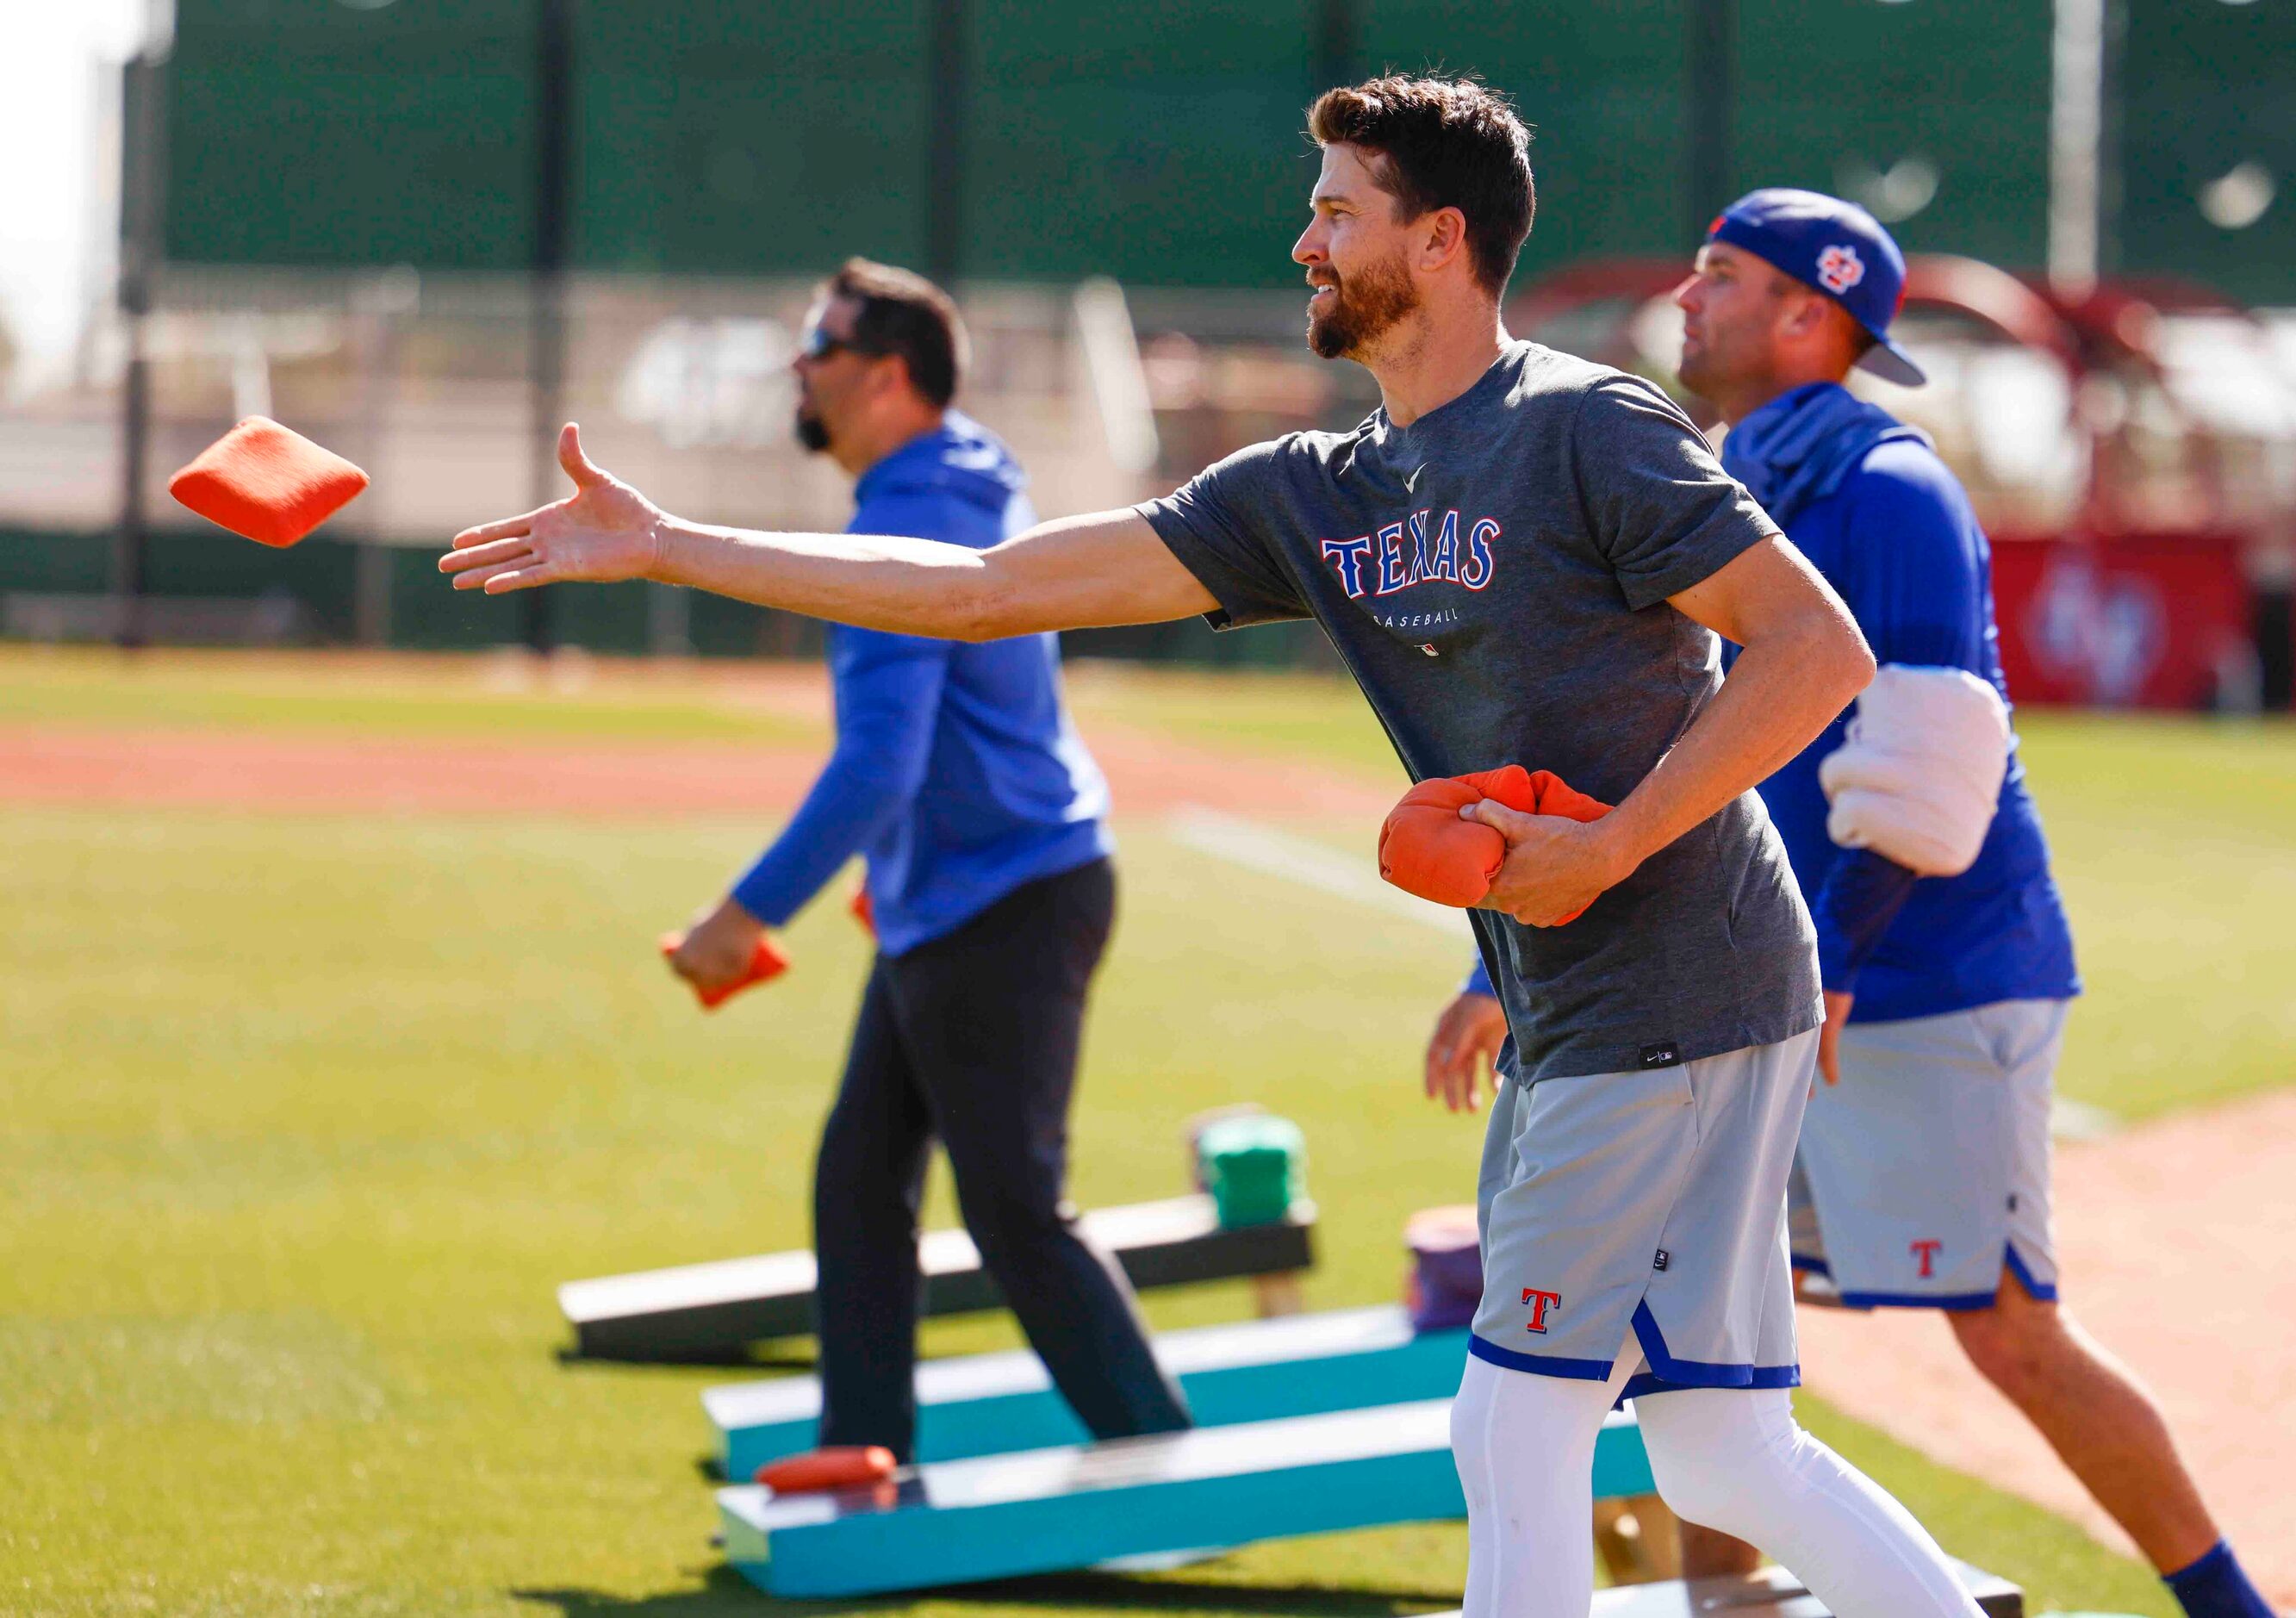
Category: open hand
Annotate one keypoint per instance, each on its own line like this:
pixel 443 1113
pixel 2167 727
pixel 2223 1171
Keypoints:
pixel 1463 1051
pixel 716 950
pixel 1555 866
pixel 605 530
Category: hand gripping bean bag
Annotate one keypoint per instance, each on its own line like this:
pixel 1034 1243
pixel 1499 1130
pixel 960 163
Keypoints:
pixel 765 963
pixel 1425 849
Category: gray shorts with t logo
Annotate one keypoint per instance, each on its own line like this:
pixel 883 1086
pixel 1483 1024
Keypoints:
pixel 1925 1172
pixel 1650 1202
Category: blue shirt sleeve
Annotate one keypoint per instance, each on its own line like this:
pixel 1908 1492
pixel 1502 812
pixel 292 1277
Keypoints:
pixel 889 690
pixel 1915 583
pixel 1478 981
pixel 1863 894
pixel 888 694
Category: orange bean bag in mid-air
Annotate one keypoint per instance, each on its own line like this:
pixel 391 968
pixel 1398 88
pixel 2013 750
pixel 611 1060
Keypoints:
pixel 266 482
pixel 1426 848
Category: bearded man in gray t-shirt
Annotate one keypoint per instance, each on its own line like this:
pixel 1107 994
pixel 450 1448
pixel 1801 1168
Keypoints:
pixel 1522 559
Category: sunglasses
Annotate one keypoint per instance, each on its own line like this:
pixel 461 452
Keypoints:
pixel 815 343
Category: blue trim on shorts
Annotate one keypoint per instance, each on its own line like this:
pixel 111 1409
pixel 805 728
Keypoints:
pixel 1958 1303
pixel 1642 1383
pixel 1539 1365
pixel 1667 1373
pixel 2040 1291
pixel 1951 1302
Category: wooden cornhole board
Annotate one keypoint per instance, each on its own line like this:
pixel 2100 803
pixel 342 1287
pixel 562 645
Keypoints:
pixel 993 1404
pixel 1077 1506
pixel 711 1313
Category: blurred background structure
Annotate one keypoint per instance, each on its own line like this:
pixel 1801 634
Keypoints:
pixel 423 231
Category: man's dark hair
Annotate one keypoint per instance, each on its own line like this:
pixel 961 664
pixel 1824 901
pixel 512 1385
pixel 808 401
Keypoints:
pixel 1446 143
pixel 903 312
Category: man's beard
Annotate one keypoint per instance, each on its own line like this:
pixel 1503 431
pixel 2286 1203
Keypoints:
pixel 812 431
pixel 1363 310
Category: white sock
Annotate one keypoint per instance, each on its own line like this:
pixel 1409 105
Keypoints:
pixel 1525 1449
pixel 1736 1460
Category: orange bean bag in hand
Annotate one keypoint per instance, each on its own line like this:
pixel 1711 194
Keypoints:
pixel 266 482
pixel 767 963
pixel 1425 849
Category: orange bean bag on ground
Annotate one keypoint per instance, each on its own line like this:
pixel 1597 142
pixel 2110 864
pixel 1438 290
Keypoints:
pixel 266 482
pixel 765 963
pixel 1425 849
pixel 819 1471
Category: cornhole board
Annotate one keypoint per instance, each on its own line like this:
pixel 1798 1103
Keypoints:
pixel 1772 1593
pixel 997 1404
pixel 712 1312
pixel 1045 1510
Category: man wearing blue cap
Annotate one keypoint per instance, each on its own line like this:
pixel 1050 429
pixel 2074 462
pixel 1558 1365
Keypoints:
pixel 1947 993
pixel 1922 1177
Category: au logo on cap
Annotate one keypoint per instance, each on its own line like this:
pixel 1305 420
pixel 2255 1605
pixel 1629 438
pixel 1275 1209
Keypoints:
pixel 1841 268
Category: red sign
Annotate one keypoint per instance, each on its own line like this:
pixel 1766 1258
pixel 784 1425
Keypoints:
pixel 2121 623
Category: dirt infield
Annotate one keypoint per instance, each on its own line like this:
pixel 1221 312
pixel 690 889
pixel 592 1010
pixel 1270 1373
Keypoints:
pixel 300 775
pixel 2175 1241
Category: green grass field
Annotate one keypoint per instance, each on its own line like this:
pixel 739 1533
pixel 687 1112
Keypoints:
pixel 306 1118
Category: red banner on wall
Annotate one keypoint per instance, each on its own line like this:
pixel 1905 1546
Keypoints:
pixel 2121 623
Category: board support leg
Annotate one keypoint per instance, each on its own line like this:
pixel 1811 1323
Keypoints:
pixel 1637 1540
pixel 1278 1295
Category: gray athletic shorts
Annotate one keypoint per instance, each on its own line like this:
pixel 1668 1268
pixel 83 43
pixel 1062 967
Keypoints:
pixel 1925 1172
pixel 1652 1202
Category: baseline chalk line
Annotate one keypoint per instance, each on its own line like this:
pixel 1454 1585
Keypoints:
pixel 1262 848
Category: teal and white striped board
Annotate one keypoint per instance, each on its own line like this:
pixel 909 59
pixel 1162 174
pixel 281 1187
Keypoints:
pixel 995 1404
pixel 997 1516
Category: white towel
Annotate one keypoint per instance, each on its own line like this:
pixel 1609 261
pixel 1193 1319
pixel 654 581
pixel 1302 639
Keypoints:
pixel 1920 774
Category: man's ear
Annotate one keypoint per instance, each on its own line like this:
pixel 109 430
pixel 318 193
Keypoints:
pixel 889 373
pixel 1444 238
pixel 1805 314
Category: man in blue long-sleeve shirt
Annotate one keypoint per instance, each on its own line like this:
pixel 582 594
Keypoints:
pixel 1922 1177
pixel 959 778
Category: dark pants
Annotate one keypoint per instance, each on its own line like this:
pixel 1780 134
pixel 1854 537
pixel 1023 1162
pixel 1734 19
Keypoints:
pixel 972 1038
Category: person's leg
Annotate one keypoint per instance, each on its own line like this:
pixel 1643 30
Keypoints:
pixel 866 1184
pixel 993 1016
pixel 1707 1553
pixel 2098 1417
pixel 1735 1460
pixel 1524 1445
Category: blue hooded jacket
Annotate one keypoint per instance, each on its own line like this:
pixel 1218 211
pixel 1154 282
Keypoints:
pixel 1876 510
pixel 1870 503
pixel 957 774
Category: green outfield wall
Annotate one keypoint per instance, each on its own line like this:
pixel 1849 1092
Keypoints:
pixel 1162 143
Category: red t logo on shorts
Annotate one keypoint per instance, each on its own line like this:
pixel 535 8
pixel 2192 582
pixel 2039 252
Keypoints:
pixel 1927 1252
pixel 1539 1301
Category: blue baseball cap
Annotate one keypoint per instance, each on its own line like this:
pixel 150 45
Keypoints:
pixel 1832 247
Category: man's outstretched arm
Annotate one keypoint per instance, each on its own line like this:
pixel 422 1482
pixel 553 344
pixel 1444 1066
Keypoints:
pixel 1079 572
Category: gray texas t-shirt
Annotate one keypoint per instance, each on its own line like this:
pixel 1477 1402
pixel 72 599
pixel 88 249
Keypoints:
pixel 1496 576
